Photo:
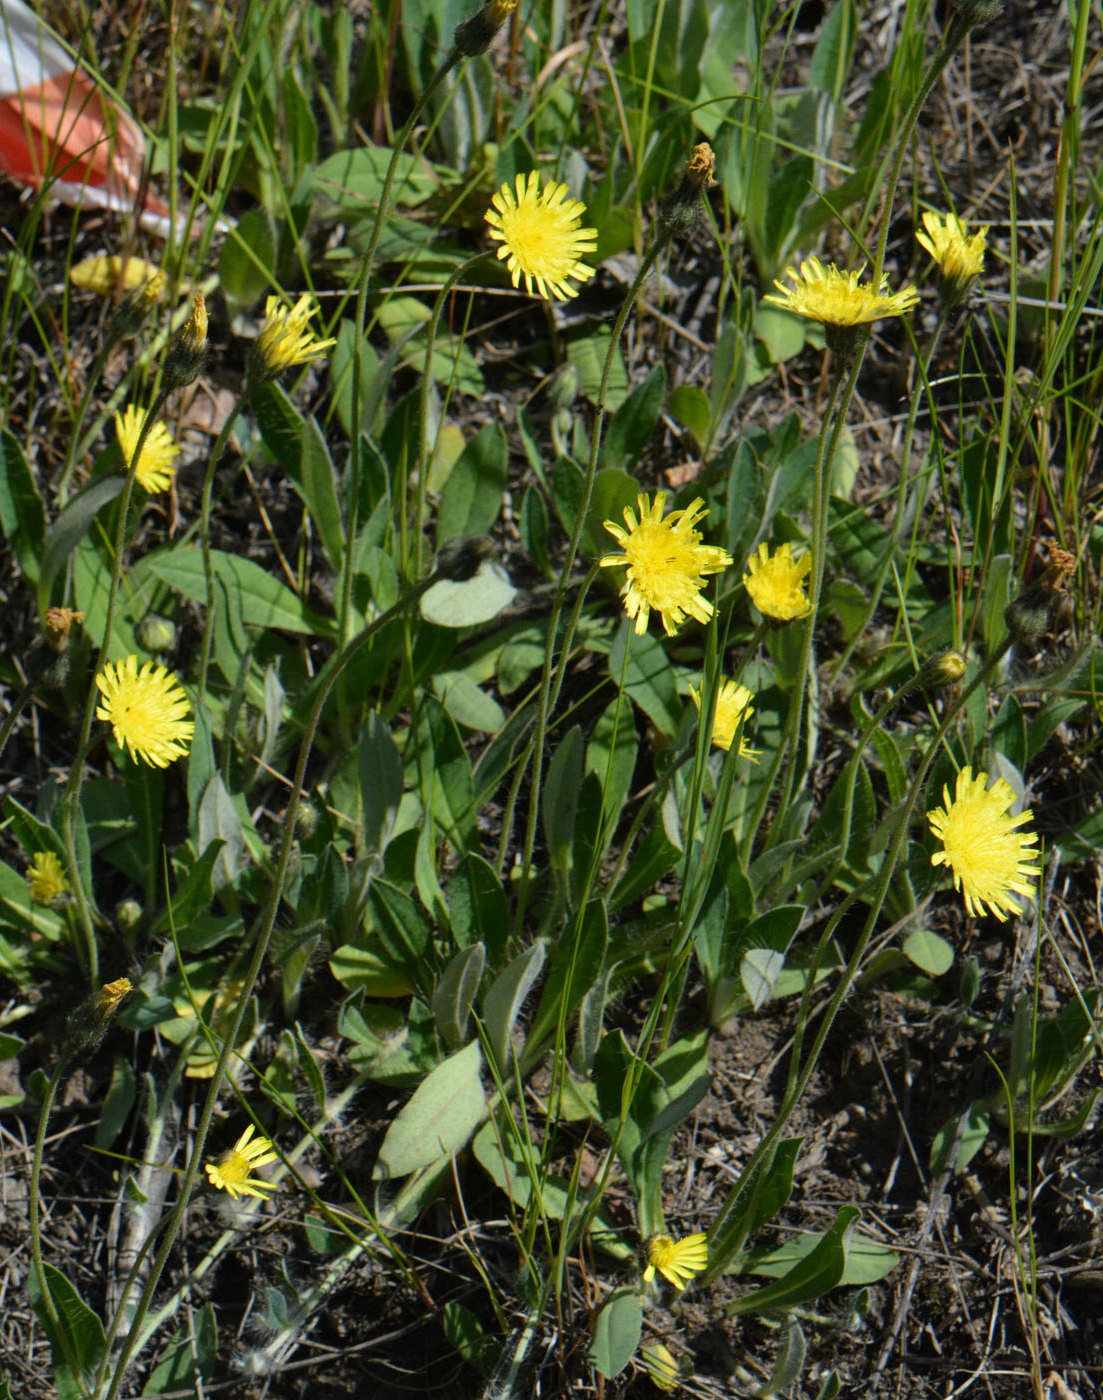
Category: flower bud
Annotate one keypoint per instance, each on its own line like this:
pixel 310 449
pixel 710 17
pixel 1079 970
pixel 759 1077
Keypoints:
pixel 459 560
pixel 681 208
pixel 128 917
pixel 129 316
pixel 89 1022
pixel 944 669
pixel 187 350
pixel 970 13
pixel 58 623
pixel 156 633
pixel 1028 615
pixel 475 35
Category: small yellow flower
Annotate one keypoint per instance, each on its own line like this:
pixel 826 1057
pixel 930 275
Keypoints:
pixel 676 1260
pixel 776 583
pixel 46 877
pixel 154 471
pixel 662 1366
pixel 959 255
pixel 286 338
pixel 733 704
pixel 666 563
pixel 540 236
pixel 147 709
pixel 838 298
pixel 989 858
pixel 233 1172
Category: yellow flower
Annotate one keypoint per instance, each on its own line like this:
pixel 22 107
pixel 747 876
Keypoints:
pixel 776 583
pixel 233 1172
pixel 154 471
pixel 540 235
pixel 661 1366
pixel 838 298
pixel 286 338
pixel 666 563
pixel 147 709
pixel 109 996
pixel 960 256
pixel 46 877
pixel 989 859
pixel 733 704
pixel 676 1260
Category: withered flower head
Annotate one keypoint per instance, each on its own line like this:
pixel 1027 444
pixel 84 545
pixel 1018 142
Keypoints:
pixel 58 623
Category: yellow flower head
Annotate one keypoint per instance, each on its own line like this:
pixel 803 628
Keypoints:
pixel 109 996
pixel 989 858
pixel 960 256
pixel 666 563
pixel 733 704
pixel 540 235
pixel 661 1365
pixel 676 1260
pixel 147 709
pixel 46 877
pixel 839 298
pixel 776 583
pixel 286 338
pixel 154 471
pixel 233 1172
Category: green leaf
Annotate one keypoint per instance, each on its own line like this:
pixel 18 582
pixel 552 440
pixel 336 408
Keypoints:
pixel 648 677
pixel 471 602
pixel 193 1349
pixel 588 355
pixel 70 528
pixel 77 1340
pixel 472 495
pixel 634 421
pixel 503 1002
pixel 379 765
pixel 353 180
pixel 616 1333
pixel 455 994
pixel 438 1120
pixel 759 970
pixel 247 261
pixel 477 906
pixel 299 446
pixel 559 805
pixel 117 1104
pixel 468 703
pixel 978 1117
pixel 22 514
pixel 788 1362
pixel 265 601
pixel 867 1260
pixel 689 405
pixel 218 820
pixel 821 1269
pixel 932 954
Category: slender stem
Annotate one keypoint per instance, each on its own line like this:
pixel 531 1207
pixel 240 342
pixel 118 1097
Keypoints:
pixel 205 533
pixel 346 610
pixel 544 708
pixel 722 1250
pixel 260 948
pixel 76 773
pixel 94 374
pixel 35 1186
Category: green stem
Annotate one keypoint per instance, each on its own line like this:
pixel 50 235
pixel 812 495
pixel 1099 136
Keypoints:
pixel 35 1187
pixel 260 948
pixel 346 610
pixel 76 773
pixel 723 1250
pixel 205 534
pixel 544 706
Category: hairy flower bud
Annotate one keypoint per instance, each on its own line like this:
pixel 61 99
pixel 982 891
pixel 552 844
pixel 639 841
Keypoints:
pixel 475 35
pixel 680 210
pixel 1028 615
pixel 89 1022
pixel 187 350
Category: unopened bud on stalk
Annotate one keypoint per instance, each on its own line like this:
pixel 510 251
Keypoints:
pixel 945 669
pixel 970 13
pixel 475 35
pixel 89 1022
pixel 187 350
pixel 680 210
pixel 156 633
pixel 58 623
pixel 128 917
pixel 129 316
pixel 1028 615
